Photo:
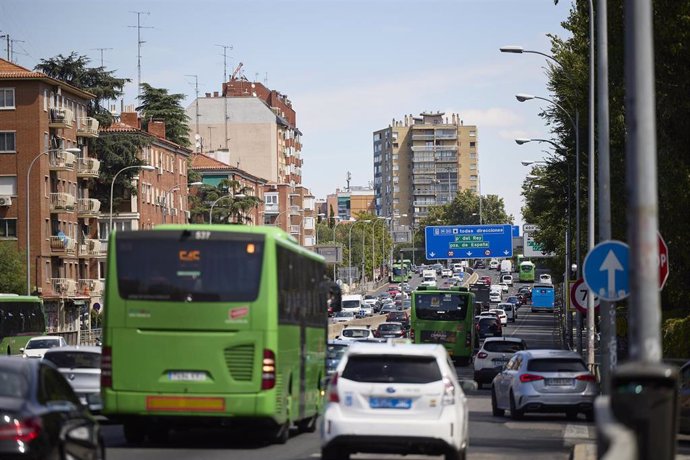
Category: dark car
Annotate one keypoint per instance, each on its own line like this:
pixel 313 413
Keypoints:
pixel 515 300
pixel 399 317
pixel 41 416
pixel 480 265
pixel 489 327
pixel 390 330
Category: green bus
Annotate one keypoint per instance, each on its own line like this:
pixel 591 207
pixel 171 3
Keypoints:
pixel 21 317
pixel 213 325
pixel 444 316
pixel 407 263
pixel 398 274
pixel 526 272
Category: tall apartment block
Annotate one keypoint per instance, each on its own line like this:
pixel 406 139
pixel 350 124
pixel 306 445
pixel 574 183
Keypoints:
pixel 421 162
pixel 348 204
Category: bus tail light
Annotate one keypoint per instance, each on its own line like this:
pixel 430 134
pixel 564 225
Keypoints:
pixel 268 370
pixel 468 338
pixel 333 389
pixel 107 367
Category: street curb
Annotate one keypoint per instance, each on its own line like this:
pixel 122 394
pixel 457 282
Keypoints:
pixel 584 451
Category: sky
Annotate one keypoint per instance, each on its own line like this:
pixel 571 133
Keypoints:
pixel 349 66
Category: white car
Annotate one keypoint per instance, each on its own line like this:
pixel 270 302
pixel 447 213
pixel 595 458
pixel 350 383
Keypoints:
pixel 493 264
pixel 353 333
pixel 366 309
pixel 37 346
pixel 494 353
pixel 545 278
pixel 395 391
pixel 429 283
pixel 343 317
pixel 507 280
pixel 495 297
pixel 446 273
pixel 504 287
pixel 501 315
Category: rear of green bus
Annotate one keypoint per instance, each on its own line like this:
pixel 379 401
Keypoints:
pixel 444 316
pixel 21 318
pixel 398 273
pixel 192 334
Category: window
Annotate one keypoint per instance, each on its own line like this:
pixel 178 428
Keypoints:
pixel 8 185
pixel 7 141
pixel 392 369
pixel 6 98
pixel 8 228
pixel 473 144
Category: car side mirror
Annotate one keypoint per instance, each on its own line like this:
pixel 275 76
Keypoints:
pixel 21 350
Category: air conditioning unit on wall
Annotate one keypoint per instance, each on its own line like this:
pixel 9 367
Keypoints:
pixel 5 200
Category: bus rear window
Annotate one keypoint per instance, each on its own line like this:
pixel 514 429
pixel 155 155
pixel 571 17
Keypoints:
pixel 441 306
pixel 189 266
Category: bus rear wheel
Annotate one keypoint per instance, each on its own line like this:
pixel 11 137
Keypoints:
pixel 308 425
pixel 280 434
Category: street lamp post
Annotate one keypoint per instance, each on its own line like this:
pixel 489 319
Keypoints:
pixel 72 150
pixel 337 221
pixel 210 213
pixel 172 189
pixel 349 248
pixel 112 188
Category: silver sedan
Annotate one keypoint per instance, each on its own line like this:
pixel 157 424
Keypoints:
pixel 544 381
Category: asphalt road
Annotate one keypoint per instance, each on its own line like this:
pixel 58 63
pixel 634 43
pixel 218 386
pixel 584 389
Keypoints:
pixel 548 436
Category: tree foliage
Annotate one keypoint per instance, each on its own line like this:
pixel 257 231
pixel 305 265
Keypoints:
pixel 569 85
pixel 13 269
pixel 229 208
pixel 157 104
pixel 74 70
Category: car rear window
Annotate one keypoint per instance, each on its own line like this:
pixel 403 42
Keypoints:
pixel 556 365
pixel 389 327
pixel 42 343
pixel 488 323
pixel 74 359
pixel 355 333
pixel 392 369
pixel 504 347
pixel 13 384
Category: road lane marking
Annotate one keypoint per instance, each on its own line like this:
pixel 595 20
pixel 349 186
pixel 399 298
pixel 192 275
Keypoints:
pixel 576 431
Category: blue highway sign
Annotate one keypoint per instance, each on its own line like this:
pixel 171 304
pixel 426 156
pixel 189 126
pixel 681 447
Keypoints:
pixel 469 241
pixel 605 270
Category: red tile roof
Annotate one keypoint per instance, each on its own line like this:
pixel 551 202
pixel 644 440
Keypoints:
pixel 119 127
pixel 9 71
pixel 201 161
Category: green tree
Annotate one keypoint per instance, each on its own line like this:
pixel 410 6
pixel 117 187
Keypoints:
pixel 157 104
pixel 13 269
pixel 230 210
pixel 74 70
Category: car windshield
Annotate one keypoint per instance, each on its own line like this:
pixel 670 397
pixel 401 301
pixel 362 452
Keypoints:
pixel 556 365
pixel 441 306
pixel 355 333
pixel 392 369
pixel 13 384
pixel 74 359
pixel 350 303
pixel 42 343
pixel 344 314
pixel 503 346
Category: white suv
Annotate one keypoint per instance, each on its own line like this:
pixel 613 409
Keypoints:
pixel 395 397
pixel 494 353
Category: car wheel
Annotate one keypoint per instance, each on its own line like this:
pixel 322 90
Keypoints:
pixel 494 405
pixel 134 432
pixel 329 453
pixel 280 434
pixel 453 454
pixel 515 413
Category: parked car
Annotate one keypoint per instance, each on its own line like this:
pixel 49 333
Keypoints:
pixel 493 355
pixel 81 366
pixel 390 330
pixel 37 346
pixel 544 381
pixel 41 415
pixel 352 333
pixel 383 396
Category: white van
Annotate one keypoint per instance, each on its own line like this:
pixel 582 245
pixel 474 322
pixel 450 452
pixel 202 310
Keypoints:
pixel 506 266
pixel 352 303
pixel 429 278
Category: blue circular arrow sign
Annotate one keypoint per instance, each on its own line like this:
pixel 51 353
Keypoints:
pixel 605 270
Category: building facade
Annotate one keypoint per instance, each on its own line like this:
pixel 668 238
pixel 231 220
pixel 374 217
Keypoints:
pixel 45 207
pixel 293 209
pixel 348 204
pixel 421 162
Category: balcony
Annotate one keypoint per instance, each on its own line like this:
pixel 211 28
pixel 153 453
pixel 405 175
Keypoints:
pixel 272 208
pixel 103 250
pixel 91 287
pixel 64 287
pixel 88 207
pixel 422 137
pixel 62 160
pixel 90 248
pixel 62 202
pixel 61 118
pixel 295 210
pixel 63 246
pixel 87 127
pixel 447 135
pixel 294 229
pixel 88 167
pixel 423 148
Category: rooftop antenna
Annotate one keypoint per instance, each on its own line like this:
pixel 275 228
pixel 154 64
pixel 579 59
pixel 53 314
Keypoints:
pixel 196 103
pixel 101 50
pixel 225 96
pixel 14 51
pixel 7 37
pixel 139 43
pixel 348 177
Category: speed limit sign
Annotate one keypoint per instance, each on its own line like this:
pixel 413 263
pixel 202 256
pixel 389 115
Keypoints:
pixel 578 296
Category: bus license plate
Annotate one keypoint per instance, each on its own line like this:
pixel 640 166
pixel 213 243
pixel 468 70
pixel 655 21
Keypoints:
pixel 186 376
pixel 390 403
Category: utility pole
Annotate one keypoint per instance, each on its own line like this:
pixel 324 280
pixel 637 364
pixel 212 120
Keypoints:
pixel 139 43
pixel 196 104
pixel 7 37
pixel 225 95
pixel 591 181
pixel 101 50
pixel 13 41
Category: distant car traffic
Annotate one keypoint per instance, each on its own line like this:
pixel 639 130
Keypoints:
pixel 42 417
pixel 395 398
pixel 544 381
